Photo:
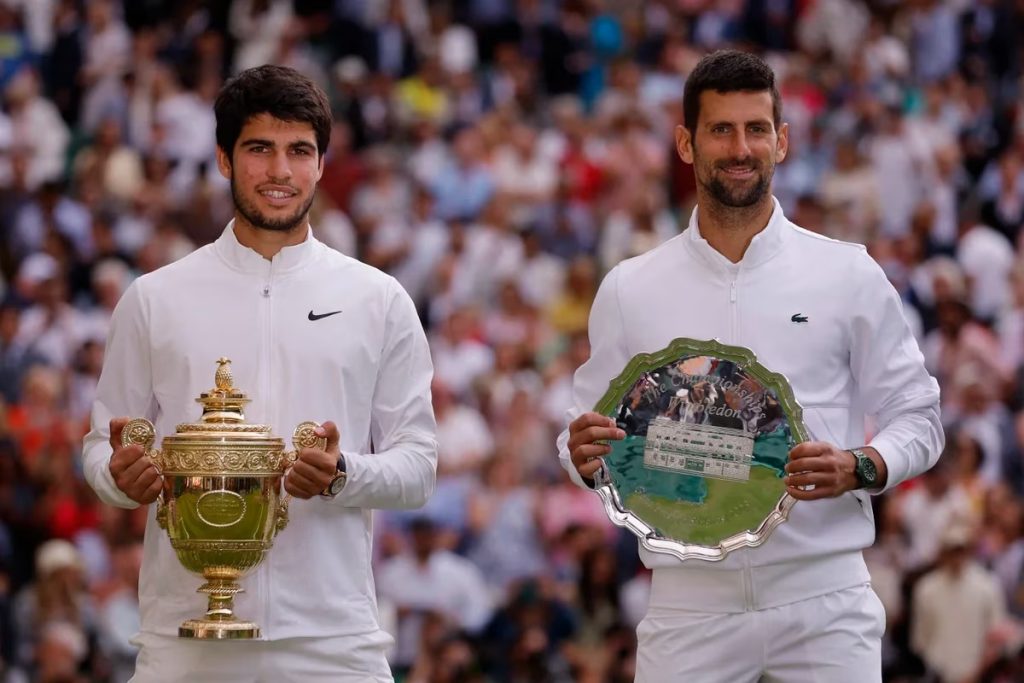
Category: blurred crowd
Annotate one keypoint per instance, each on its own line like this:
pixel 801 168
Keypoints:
pixel 498 157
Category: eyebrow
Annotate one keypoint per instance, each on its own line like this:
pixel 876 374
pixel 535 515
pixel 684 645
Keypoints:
pixel 752 122
pixel 259 142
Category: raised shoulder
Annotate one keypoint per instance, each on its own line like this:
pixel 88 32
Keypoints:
pixel 355 271
pixel 669 251
pixel 808 238
pixel 199 261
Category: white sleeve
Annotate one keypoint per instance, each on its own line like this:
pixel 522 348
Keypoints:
pixel 892 381
pixel 608 357
pixel 402 470
pixel 125 389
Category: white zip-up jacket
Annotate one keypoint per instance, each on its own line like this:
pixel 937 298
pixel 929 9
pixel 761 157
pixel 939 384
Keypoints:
pixel 366 368
pixel 854 356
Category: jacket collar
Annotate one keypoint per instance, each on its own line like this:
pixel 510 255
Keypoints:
pixel 248 260
pixel 762 248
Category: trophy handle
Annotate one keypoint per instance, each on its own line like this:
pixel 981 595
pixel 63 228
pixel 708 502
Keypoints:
pixel 141 432
pixel 304 436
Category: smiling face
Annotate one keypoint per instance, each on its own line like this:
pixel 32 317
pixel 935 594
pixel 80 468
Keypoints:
pixel 273 168
pixel 734 147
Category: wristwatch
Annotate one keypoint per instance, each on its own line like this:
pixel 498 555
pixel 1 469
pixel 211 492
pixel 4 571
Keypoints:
pixel 867 473
pixel 339 481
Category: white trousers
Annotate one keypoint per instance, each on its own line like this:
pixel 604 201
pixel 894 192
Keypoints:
pixel 344 659
pixel 833 638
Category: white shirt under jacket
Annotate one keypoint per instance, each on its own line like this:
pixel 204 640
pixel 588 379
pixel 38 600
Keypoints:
pixel 367 368
pixel 854 356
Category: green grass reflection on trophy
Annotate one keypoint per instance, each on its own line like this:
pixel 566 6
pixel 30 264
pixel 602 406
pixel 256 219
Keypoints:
pixel 729 508
pixel 238 544
pixel 700 510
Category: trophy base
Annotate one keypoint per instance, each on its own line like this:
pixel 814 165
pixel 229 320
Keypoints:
pixel 208 629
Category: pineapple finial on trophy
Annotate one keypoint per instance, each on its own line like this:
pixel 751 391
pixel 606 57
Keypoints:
pixel 223 378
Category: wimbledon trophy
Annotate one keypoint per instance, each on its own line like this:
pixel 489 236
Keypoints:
pixel 221 502
pixel 708 432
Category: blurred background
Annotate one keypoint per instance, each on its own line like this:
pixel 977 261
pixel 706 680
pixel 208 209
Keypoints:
pixel 498 157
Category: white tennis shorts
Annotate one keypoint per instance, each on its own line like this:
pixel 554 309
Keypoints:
pixel 344 659
pixel 833 638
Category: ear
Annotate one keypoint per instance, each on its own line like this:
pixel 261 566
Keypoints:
pixel 782 144
pixel 223 163
pixel 320 167
pixel 684 144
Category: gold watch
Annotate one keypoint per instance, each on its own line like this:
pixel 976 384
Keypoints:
pixel 338 482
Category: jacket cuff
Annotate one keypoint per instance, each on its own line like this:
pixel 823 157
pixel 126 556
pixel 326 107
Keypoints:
pixel 109 492
pixel 897 467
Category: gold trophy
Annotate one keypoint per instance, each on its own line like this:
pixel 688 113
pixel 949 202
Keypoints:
pixel 221 502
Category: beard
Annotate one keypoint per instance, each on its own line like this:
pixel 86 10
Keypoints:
pixel 258 219
pixel 738 196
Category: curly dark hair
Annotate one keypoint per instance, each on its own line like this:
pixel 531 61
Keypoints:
pixel 727 71
pixel 279 91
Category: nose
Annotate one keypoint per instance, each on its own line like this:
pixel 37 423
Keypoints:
pixel 279 168
pixel 740 145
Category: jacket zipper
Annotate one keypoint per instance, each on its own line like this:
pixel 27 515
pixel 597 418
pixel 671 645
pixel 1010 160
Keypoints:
pixel 266 310
pixel 733 313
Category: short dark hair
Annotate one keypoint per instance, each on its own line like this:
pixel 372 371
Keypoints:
pixel 727 71
pixel 279 91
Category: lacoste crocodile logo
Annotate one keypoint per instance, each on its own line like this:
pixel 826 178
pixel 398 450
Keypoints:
pixel 799 318
pixel 321 316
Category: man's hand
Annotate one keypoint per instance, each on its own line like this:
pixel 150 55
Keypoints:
pixel 133 472
pixel 830 470
pixel 314 469
pixel 584 433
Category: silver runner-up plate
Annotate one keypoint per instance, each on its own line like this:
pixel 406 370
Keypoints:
pixel 708 433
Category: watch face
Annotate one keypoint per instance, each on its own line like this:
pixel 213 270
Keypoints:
pixel 867 470
pixel 337 485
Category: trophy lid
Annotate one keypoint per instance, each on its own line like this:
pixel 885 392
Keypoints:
pixel 222 407
pixel 224 402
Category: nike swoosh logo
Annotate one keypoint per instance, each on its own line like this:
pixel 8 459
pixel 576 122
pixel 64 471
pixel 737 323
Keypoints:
pixel 321 316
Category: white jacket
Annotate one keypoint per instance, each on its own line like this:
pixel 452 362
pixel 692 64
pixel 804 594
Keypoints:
pixel 854 356
pixel 366 368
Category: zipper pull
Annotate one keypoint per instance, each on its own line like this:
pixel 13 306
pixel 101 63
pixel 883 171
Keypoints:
pixel 266 291
pixel 732 292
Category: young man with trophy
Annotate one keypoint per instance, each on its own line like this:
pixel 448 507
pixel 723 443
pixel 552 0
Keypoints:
pixel 754 527
pixel 310 334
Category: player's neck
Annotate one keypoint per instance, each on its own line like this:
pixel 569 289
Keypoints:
pixel 729 230
pixel 267 243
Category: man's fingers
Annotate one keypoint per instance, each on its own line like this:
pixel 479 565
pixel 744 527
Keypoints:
pixel 316 459
pixel 593 434
pixel 152 491
pixel 582 454
pixel 811 479
pixel 303 482
pixel 116 427
pixel 809 449
pixel 329 430
pixel 817 493
pixel 314 471
pixel 124 457
pixel 590 468
pixel 586 436
pixel 587 420
pixel 299 486
pixel 809 464
pixel 591 419
pixel 135 469
pixel 147 477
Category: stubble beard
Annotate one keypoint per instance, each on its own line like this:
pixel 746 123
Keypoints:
pixel 259 220
pixel 741 198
